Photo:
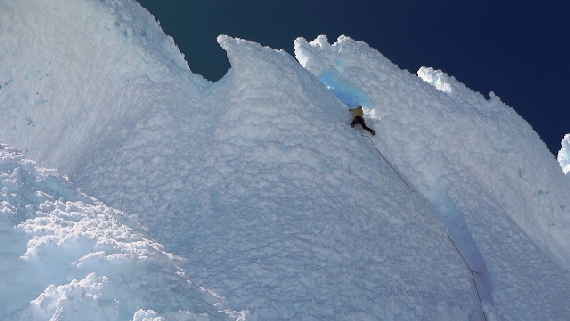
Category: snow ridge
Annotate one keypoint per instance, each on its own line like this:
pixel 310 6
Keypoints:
pixel 472 158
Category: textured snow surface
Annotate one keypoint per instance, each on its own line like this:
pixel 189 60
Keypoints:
pixel 67 256
pixel 564 154
pixel 270 203
pixel 486 172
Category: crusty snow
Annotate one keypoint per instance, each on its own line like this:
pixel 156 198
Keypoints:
pixel 174 198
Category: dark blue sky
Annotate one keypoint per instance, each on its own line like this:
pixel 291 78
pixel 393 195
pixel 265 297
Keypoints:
pixel 519 49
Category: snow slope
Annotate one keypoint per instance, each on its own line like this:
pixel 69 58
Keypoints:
pixel 66 256
pixel 277 205
pixel 451 140
pixel 486 172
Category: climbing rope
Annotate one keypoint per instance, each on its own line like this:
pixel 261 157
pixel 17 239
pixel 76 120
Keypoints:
pixel 472 276
pixel 473 272
pixel 387 162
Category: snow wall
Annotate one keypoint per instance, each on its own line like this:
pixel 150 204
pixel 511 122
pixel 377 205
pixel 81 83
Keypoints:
pixel 277 205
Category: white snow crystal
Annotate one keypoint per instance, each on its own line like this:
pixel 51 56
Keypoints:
pixel 564 154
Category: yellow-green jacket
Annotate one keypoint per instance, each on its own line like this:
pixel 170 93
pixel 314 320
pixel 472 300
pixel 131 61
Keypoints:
pixel 357 111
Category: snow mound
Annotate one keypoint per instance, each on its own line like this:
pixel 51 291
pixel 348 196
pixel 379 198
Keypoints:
pixel 67 255
pixel 564 154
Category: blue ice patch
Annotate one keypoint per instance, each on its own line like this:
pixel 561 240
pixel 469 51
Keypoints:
pixel 349 94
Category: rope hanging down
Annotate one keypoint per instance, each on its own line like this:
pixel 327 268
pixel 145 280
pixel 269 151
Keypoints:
pixel 387 162
pixel 472 276
pixel 470 269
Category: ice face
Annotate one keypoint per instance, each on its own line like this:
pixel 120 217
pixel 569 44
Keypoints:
pixel 258 185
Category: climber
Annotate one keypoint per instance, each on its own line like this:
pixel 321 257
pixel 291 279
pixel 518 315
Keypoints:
pixel 357 115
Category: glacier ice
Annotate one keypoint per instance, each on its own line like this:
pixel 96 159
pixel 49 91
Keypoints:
pixel 253 196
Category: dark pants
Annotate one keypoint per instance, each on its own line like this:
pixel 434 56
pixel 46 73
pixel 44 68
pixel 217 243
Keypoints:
pixel 360 120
